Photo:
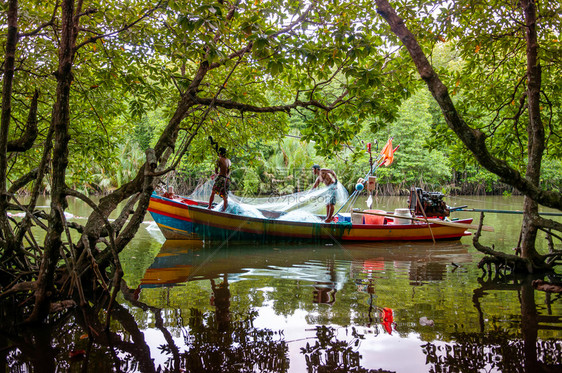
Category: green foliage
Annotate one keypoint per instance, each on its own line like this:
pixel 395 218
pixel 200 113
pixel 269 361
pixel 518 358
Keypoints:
pixel 127 83
pixel 417 161
pixel 126 88
pixel 143 132
pixel 551 178
pixel 487 75
pixel 99 96
pixel 251 182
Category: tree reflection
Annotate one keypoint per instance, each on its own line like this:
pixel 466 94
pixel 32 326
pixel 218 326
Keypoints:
pixel 79 341
pixel 222 342
pixel 76 341
pixel 22 348
pixel 498 349
pixel 329 354
pixel 225 342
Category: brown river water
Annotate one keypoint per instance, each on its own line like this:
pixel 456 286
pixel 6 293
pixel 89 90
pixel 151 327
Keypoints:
pixel 330 307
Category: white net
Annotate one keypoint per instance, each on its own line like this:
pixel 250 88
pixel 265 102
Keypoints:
pixel 301 206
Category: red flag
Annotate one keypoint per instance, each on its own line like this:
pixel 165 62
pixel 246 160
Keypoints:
pixel 387 318
pixel 388 153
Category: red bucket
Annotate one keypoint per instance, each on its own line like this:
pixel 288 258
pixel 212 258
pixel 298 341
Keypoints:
pixel 374 219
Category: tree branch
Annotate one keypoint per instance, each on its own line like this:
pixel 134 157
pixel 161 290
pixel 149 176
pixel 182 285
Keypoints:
pixel 23 181
pixel 94 39
pixel 228 104
pixel 25 142
pixel 51 22
pixel 473 139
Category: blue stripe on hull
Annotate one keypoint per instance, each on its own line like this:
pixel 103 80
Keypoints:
pixel 208 232
pixel 173 228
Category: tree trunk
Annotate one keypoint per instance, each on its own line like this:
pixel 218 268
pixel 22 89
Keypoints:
pixel 528 229
pixel 474 139
pixel 535 129
pixel 60 121
pixel 11 43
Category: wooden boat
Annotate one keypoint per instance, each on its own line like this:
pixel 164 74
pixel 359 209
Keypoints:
pixel 182 218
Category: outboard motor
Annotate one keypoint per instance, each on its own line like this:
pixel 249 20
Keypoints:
pixel 431 202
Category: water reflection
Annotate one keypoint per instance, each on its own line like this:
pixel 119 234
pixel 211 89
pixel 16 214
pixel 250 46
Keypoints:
pixel 325 291
pixel 241 308
pixel 330 354
pixel 222 342
pixel 499 349
pixel 187 260
pixel 324 270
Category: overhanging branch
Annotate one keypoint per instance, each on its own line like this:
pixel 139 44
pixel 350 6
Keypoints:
pixel 229 104
pixel 472 138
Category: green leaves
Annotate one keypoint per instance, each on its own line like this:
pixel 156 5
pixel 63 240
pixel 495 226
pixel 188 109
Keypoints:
pixel 341 59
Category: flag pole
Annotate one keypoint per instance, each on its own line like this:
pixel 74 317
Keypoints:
pixel 379 162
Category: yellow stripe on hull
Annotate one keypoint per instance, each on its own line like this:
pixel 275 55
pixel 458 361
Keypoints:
pixel 195 221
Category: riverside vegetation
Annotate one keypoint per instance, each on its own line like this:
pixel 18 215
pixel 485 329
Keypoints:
pixel 85 83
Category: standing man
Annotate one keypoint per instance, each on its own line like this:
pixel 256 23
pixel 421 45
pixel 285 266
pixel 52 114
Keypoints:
pixel 222 179
pixel 329 178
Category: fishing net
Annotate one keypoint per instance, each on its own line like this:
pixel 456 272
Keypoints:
pixel 301 206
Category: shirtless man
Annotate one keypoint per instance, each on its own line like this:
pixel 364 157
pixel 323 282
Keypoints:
pixel 329 178
pixel 222 179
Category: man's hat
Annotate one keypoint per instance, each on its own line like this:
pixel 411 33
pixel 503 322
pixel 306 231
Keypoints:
pixel 315 166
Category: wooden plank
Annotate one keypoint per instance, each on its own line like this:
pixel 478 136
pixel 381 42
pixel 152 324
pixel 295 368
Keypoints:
pixel 486 228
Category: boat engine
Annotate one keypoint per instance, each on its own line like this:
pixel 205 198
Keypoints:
pixel 431 202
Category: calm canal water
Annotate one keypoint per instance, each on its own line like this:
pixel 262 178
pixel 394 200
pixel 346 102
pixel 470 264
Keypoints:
pixel 331 307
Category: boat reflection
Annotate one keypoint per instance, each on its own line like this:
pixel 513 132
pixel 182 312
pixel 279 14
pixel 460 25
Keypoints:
pixel 175 263
pixel 181 261
pixel 324 269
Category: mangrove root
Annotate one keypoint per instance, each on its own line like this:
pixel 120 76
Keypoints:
pixel 547 286
pixel 502 261
pixel 62 305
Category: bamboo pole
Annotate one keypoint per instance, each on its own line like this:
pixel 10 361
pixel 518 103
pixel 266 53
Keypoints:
pixel 432 221
pixel 462 209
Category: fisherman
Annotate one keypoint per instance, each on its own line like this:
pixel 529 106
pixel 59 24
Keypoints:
pixel 329 178
pixel 222 179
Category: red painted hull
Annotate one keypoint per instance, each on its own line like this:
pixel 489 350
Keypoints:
pixel 180 219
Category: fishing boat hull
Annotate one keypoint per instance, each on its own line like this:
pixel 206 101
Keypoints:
pixel 184 219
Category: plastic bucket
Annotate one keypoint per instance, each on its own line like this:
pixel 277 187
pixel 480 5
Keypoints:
pixel 402 212
pixel 356 218
pixel 374 219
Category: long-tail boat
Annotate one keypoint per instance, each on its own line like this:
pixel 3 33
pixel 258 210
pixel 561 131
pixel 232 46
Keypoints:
pixel 183 218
